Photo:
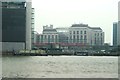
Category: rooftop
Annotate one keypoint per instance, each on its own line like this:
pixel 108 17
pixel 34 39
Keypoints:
pixel 49 30
pixel 95 28
pixel 79 25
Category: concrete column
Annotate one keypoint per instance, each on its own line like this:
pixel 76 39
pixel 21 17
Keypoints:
pixel 118 28
pixel 28 25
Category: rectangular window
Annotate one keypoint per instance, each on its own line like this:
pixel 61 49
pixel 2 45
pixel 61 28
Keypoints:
pixel 41 38
pixel 98 34
pixel 81 32
pixel 77 38
pixel 77 32
pixel 85 37
pixel 84 32
pixel 52 38
pixel 45 36
pixel 70 32
pixel 48 38
pixel 81 37
pixel 73 38
pixel 73 32
pixel 95 34
pixel 95 40
pixel 56 38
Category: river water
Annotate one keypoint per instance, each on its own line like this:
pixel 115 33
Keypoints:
pixel 59 67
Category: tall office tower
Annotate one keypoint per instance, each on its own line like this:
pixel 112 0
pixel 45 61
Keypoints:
pixel 118 28
pixel 16 25
pixel 115 24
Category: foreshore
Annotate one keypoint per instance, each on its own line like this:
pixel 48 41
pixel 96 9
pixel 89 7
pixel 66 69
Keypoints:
pixel 61 54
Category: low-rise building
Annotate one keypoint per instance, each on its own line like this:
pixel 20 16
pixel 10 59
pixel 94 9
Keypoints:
pixel 76 36
pixel 82 34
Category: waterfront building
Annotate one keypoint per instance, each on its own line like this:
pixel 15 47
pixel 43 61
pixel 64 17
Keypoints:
pixel 35 38
pixel 115 24
pixel 76 36
pixel 33 32
pixel 16 25
pixel 82 34
pixel 49 36
pixel 63 34
pixel 118 28
pixel 97 36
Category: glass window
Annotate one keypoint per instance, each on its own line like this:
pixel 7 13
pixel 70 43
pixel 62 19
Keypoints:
pixel 95 34
pixel 73 36
pixel 73 32
pixel 45 36
pixel 81 37
pixel 85 37
pixel 52 36
pixel 77 32
pixel 98 34
pixel 84 32
pixel 77 36
pixel 81 32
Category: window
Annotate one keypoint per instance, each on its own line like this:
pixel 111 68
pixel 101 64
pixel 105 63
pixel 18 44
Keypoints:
pixel 48 38
pixel 84 32
pixel 73 32
pixel 77 36
pixel 81 37
pixel 41 38
pixel 70 39
pixel 73 36
pixel 81 32
pixel 98 34
pixel 45 36
pixel 52 36
pixel 56 38
pixel 95 34
pixel 95 40
pixel 85 37
pixel 77 32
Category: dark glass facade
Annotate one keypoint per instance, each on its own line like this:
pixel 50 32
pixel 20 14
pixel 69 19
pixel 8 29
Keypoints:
pixel 115 34
pixel 13 24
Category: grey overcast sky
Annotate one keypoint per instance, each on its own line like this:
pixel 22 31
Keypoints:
pixel 63 13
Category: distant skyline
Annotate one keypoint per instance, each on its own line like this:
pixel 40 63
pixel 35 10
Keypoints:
pixel 64 13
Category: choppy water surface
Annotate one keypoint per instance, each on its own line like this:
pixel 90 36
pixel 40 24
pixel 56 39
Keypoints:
pixel 59 67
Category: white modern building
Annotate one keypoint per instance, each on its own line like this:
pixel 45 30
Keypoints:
pixel 118 28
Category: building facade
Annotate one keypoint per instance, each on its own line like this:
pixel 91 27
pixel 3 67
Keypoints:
pixel 48 38
pixel 118 28
pixel 33 33
pixel 82 34
pixel 97 37
pixel 16 25
pixel 75 36
pixel 63 34
pixel 115 24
